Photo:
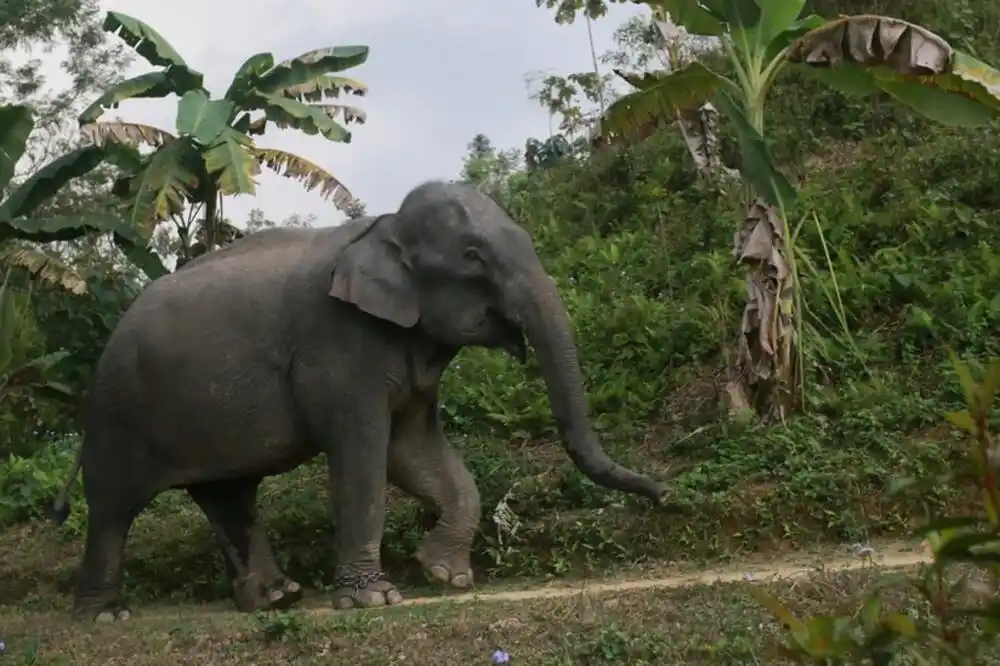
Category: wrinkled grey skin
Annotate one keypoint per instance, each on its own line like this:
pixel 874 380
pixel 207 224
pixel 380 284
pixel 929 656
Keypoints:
pixel 253 359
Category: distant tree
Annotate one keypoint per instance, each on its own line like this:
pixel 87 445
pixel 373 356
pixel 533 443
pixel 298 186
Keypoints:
pixel 90 63
pixel 183 243
pixel 487 167
pixel 256 221
pixel 356 209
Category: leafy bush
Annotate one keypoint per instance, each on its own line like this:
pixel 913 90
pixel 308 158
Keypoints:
pixel 28 484
pixel 960 588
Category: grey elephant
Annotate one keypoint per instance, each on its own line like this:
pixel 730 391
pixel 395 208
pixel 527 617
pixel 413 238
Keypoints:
pixel 253 359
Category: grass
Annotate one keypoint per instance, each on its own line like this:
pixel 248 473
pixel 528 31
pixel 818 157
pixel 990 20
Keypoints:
pixel 701 624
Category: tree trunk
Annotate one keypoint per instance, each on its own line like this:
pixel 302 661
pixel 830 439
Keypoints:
pixel 761 372
pixel 211 220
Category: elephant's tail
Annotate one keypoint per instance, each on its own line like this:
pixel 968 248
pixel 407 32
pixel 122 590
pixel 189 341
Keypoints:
pixel 59 511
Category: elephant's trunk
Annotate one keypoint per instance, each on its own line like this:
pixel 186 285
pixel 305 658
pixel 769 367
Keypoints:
pixel 547 327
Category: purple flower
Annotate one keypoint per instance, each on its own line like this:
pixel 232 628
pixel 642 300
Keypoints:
pixel 500 657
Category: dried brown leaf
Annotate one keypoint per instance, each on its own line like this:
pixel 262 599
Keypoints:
pixel 765 328
pixel 130 134
pixel 46 267
pixel 874 40
pixel 308 174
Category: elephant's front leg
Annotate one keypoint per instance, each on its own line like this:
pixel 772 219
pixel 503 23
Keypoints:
pixel 423 464
pixel 356 454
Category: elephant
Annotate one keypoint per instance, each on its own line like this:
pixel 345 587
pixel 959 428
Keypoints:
pixel 257 357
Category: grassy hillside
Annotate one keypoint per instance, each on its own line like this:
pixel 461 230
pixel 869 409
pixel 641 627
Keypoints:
pixel 910 214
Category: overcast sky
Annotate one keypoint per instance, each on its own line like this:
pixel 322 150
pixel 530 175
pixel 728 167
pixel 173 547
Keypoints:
pixel 439 72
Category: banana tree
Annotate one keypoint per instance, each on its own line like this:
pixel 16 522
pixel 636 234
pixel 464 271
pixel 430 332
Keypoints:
pixel 213 153
pixel 698 126
pixel 19 204
pixel 859 55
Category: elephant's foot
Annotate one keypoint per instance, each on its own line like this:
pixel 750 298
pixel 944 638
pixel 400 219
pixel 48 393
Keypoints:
pixel 283 593
pixel 103 613
pixel 251 594
pixel 445 565
pixel 366 590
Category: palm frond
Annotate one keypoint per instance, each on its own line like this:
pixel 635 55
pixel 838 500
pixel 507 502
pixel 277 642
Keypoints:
pixel 350 114
pixel 324 87
pixel 308 174
pixel 45 266
pixel 130 134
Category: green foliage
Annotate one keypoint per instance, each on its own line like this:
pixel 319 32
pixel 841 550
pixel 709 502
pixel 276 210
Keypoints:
pixel 30 481
pixel 970 541
pixel 17 220
pixel 486 167
pixel 26 370
pixel 859 55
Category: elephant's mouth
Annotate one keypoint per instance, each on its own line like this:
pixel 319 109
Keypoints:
pixel 510 335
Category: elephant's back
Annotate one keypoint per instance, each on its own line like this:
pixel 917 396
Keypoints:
pixel 250 270
pixel 239 290
pixel 227 302
pixel 278 239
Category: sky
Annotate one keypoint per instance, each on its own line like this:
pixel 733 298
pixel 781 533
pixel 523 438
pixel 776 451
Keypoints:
pixel 439 72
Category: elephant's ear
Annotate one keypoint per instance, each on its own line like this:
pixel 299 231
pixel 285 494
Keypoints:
pixel 373 273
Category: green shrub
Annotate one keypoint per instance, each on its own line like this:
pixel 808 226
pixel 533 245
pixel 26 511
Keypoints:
pixel 960 588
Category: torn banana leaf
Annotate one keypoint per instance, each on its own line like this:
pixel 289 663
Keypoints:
pixel 866 54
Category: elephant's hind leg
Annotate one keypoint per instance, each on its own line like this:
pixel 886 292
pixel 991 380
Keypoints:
pixel 231 509
pixel 99 585
pixel 423 464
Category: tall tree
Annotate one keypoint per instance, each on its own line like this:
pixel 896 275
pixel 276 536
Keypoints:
pixel 69 34
pixel 356 209
pixel 487 167
pixel 213 153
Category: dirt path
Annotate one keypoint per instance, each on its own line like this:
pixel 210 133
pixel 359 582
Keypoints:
pixel 893 555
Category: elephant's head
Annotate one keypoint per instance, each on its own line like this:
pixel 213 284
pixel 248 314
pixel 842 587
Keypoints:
pixel 454 264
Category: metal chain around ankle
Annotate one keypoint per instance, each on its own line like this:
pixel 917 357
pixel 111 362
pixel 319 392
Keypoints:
pixel 359 582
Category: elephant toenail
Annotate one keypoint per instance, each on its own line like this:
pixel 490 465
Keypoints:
pixel 292 587
pixel 393 596
pixel 461 580
pixel 275 595
pixel 105 616
pixel 375 599
pixel 124 614
pixel 440 572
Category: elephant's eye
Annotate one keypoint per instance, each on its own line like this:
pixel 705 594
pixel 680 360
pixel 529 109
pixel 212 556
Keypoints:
pixel 473 254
